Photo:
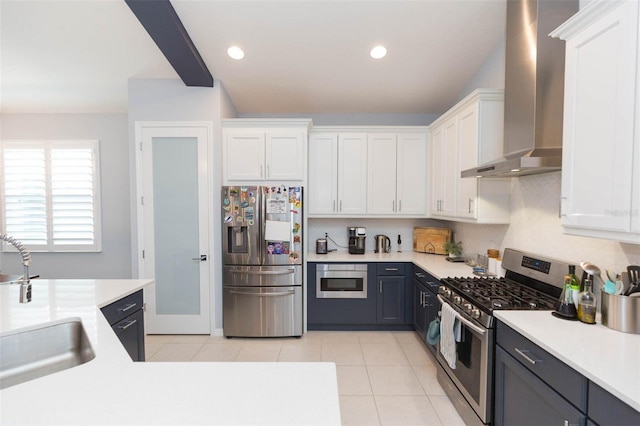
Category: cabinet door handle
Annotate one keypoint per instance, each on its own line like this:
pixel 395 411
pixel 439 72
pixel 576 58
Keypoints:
pixel 268 171
pixel 400 206
pixel 560 214
pixel 129 324
pixel 380 287
pixel 340 205
pixel 470 209
pixel 422 299
pixel 333 206
pixel 261 171
pixel 129 306
pixel 524 353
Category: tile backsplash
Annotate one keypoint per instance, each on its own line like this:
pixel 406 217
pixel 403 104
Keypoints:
pixel 536 227
pixel 337 230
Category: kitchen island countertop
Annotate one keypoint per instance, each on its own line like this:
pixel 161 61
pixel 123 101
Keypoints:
pixel 111 389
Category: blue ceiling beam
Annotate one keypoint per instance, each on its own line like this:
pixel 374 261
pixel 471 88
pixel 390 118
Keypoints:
pixel 162 23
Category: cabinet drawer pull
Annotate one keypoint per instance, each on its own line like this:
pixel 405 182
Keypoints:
pixel 126 308
pixel 524 353
pixel 129 324
pixel 419 274
pixel 390 269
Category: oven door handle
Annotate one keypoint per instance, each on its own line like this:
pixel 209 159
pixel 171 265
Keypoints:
pixel 472 326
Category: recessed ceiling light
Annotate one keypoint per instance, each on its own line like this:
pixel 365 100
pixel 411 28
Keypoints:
pixel 235 52
pixel 378 52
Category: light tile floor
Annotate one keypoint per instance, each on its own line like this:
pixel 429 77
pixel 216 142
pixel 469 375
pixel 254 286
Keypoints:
pixel 384 378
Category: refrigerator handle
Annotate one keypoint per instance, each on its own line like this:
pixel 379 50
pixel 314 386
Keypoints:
pixel 262 214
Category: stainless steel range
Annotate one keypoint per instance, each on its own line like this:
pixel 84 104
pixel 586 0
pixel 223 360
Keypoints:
pixel 531 282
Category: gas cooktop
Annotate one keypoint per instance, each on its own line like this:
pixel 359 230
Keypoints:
pixel 490 293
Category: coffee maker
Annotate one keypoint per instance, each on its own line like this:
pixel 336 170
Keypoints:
pixel 356 239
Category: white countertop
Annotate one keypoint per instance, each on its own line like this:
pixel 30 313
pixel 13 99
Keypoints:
pixel 111 389
pixel 435 264
pixel 607 357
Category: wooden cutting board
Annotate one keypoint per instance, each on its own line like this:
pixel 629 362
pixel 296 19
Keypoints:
pixel 430 240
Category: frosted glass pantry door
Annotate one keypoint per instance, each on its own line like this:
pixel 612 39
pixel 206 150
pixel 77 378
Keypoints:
pixel 175 250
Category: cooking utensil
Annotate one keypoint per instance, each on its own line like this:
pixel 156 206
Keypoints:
pixel 633 272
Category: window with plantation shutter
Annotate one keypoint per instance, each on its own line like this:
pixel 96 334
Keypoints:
pixel 50 194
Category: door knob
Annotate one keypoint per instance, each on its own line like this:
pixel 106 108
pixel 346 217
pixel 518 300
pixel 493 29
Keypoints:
pixel 202 258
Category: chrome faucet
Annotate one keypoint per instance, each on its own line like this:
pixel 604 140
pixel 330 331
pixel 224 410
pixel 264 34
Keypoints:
pixel 25 285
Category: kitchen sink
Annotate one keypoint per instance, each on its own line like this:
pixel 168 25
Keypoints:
pixel 35 353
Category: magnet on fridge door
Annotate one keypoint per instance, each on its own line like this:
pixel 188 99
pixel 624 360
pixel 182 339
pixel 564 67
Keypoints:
pixel 251 222
pixel 226 202
pixel 244 204
pixel 228 219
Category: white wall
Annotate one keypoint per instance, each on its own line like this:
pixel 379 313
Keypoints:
pixel 489 75
pixel 111 130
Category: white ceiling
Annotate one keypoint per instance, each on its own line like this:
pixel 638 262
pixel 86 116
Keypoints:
pixel 302 56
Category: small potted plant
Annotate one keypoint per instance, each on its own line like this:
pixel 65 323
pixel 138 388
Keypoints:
pixel 454 249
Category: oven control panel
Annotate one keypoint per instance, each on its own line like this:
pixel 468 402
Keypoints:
pixel 536 264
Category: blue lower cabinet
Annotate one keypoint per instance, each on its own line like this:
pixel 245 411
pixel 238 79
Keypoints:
pixel 126 318
pixel 605 409
pixel 532 387
pixel 523 399
pixel 388 305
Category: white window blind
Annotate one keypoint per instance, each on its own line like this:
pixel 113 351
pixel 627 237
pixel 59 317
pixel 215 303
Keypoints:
pixel 51 194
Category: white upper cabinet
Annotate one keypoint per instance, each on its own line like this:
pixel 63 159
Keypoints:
pixel 467 135
pixel 601 141
pixel 444 166
pixel 375 171
pixel 352 174
pixel 382 174
pixel 323 173
pixel 411 174
pixel 264 150
pixel 397 179
pixel 337 173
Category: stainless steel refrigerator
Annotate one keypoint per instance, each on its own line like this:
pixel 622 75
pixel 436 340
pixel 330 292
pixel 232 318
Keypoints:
pixel 262 239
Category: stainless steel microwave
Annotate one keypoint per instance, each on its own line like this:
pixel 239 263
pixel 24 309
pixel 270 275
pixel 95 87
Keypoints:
pixel 341 281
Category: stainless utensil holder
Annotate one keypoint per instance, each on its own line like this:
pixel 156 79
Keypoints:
pixel 621 313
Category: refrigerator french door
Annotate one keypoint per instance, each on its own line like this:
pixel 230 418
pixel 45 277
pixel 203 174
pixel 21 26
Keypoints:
pixel 262 260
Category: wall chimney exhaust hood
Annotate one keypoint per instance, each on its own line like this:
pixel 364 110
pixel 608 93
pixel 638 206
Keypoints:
pixel 534 90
